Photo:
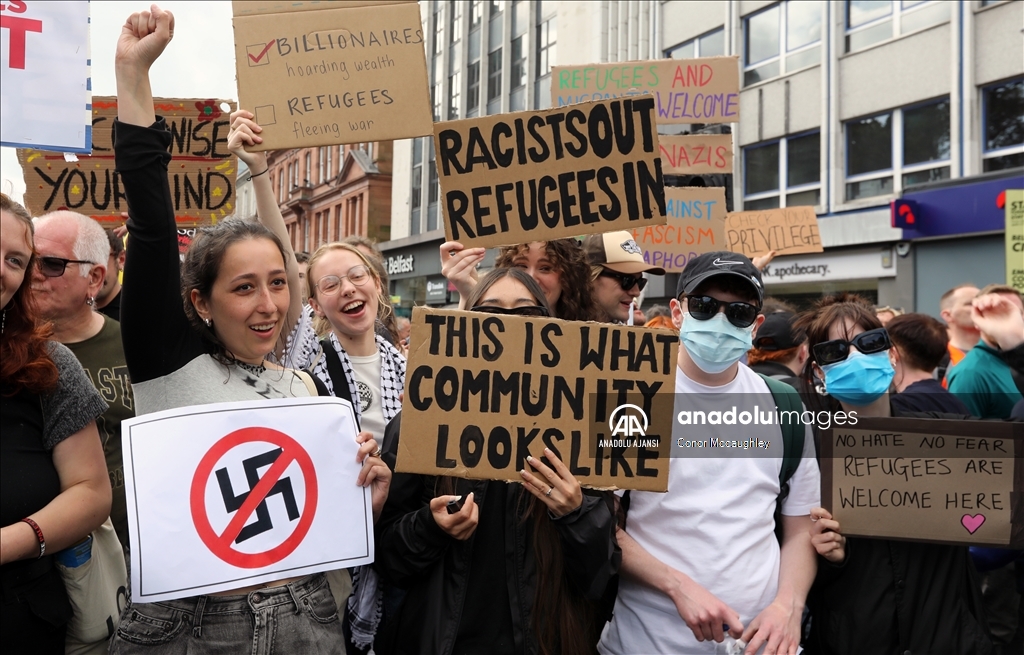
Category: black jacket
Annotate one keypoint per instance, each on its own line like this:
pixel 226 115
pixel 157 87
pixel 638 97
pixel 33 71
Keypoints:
pixel 898 598
pixel 415 554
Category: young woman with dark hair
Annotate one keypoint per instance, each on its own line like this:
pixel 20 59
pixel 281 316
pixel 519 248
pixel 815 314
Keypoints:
pixel 203 335
pixel 54 487
pixel 878 595
pixel 559 267
pixel 349 346
pixel 518 568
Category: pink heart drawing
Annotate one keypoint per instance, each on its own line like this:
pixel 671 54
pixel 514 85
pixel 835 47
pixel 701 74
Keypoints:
pixel 972 523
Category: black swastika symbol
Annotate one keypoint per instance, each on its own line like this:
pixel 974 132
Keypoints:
pixel 252 476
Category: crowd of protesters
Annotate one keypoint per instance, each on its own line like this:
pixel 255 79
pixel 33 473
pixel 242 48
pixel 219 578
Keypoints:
pixel 737 557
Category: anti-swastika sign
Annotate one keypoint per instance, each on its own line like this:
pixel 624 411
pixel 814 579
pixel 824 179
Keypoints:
pixel 241 507
pixel 229 495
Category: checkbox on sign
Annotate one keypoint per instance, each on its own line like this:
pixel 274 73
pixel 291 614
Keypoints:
pixel 259 54
pixel 265 115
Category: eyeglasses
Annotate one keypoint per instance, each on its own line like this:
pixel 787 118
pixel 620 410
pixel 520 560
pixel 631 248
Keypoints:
pixel 329 284
pixel 832 352
pixel 527 310
pixel 55 266
pixel 625 280
pixel 704 308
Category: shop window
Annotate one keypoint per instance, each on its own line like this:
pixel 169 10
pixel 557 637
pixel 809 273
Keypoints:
pixel 1003 119
pixel 783 173
pixel 871 21
pixel 781 39
pixel 711 44
pixel 889 152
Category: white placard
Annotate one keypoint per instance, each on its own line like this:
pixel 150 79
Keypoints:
pixel 229 495
pixel 44 73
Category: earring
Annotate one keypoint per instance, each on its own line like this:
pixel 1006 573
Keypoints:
pixel 209 323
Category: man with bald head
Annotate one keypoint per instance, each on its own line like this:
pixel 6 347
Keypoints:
pixel 73 252
pixel 955 310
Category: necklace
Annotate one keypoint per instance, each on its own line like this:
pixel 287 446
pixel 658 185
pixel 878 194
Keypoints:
pixel 255 369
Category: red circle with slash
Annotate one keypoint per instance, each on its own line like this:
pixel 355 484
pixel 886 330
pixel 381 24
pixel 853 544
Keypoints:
pixel 221 544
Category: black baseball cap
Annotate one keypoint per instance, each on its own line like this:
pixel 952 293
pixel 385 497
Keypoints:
pixel 722 262
pixel 777 333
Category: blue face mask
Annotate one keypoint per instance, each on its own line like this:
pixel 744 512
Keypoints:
pixel 715 344
pixel 859 379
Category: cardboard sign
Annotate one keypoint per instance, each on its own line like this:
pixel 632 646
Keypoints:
pixel 699 154
pixel 201 174
pixel 542 175
pixel 323 73
pixel 229 495
pixel 45 73
pixel 1015 238
pixel 787 231
pixel 926 480
pixel 705 90
pixel 696 225
pixel 484 391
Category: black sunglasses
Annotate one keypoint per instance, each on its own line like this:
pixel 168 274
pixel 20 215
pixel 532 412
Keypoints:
pixel 55 266
pixel 526 310
pixel 626 281
pixel 740 314
pixel 832 352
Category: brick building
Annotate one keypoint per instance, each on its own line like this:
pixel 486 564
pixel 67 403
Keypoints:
pixel 329 193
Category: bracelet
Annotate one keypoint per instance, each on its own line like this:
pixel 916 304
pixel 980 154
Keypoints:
pixel 258 174
pixel 39 535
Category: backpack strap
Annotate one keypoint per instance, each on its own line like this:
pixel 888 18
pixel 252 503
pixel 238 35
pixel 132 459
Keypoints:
pixel 786 399
pixel 338 378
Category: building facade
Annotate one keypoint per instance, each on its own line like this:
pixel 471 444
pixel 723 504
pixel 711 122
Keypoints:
pixel 489 57
pixel 846 105
pixel 329 193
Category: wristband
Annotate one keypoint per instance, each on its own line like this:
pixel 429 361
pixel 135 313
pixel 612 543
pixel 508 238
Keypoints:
pixel 39 535
pixel 267 170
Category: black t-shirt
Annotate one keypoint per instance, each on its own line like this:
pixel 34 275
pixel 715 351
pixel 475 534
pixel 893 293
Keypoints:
pixel 928 396
pixel 486 625
pixel 113 308
pixel 28 479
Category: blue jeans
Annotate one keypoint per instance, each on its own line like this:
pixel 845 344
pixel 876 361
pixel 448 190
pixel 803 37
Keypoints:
pixel 300 617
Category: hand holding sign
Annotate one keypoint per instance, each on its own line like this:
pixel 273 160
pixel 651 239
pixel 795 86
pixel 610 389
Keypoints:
pixel 245 132
pixel 375 473
pixel 557 489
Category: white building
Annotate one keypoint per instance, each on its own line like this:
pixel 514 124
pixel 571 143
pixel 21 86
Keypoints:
pixel 846 105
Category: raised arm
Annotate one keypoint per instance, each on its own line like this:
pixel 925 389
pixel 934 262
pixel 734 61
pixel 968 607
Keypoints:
pixel 246 132
pixel 156 334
